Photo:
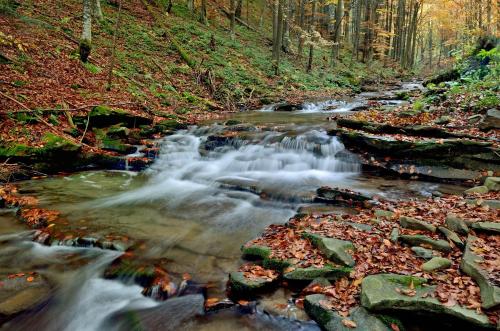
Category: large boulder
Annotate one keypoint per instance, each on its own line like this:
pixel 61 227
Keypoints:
pixel 491 120
pixel 386 292
pixel 471 265
pixel 329 320
pixel 104 116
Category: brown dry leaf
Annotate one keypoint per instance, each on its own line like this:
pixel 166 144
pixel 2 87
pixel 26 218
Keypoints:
pixel 30 279
pixel 348 323
pixel 210 302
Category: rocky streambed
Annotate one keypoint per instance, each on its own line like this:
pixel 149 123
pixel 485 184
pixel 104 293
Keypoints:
pixel 153 250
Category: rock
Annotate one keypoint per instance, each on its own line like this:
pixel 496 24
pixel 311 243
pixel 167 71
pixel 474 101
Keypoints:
pixel 380 293
pixel 331 321
pixel 492 227
pixel 18 295
pixel 423 252
pixel 492 183
pixel 323 282
pixel 495 204
pixel 475 118
pixel 452 236
pixel 454 223
pixel 335 250
pixel 169 316
pixel 436 263
pixel 243 287
pixel 359 226
pixel 104 116
pixel 471 265
pixel 477 189
pixel 395 235
pixel 491 120
pixel 255 252
pixel 309 274
pixel 287 107
pixel 420 240
pixel 335 195
pixel 379 213
pixel 415 224
pixel 443 120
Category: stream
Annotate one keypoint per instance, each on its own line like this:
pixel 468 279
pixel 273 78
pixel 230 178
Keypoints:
pixel 206 194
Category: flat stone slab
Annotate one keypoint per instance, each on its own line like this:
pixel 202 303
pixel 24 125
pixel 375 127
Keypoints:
pixel 242 286
pixel 455 223
pixel 335 250
pixel 490 294
pixel 309 274
pixel 491 227
pixel 420 240
pixel 382 293
pixel 415 224
pixel 436 263
pixel 451 236
pixel 477 189
pixel 330 320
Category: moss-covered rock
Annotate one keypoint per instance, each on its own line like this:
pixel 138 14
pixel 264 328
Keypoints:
pixel 490 227
pixel 421 240
pixel 309 274
pixel 436 263
pixel 335 250
pixel 330 320
pixel 455 223
pixel 471 265
pixel 382 292
pixel 424 253
pixel 492 183
pixel 104 116
pixel 477 189
pixel 255 252
pixel 451 236
pixel 415 224
pixel 243 287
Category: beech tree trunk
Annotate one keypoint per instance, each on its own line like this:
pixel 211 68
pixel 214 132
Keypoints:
pixel 232 10
pixel 311 31
pixel 86 38
pixel 337 32
pixel 97 10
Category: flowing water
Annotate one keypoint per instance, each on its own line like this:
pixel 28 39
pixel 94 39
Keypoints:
pixel 207 194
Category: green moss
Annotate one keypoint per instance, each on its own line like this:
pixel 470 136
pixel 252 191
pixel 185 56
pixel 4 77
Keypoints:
pixel 275 264
pixel 255 252
pixel 407 280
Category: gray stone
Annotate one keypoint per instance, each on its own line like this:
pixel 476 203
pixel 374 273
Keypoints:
pixel 491 227
pixel 491 120
pixel 492 183
pixel 383 293
pixel 246 287
pixel 173 314
pixel 443 120
pixel 451 236
pixel 309 274
pixel 330 320
pixel 436 263
pixel 454 223
pixel 490 294
pixel 395 235
pixel 18 295
pixel 423 252
pixel 495 204
pixel 420 240
pixel 477 189
pixel 335 250
pixel 415 224
pixel 379 213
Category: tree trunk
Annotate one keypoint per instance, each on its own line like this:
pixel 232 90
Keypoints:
pixel 113 51
pixel 279 38
pixel 300 48
pixel 232 9
pixel 339 14
pixel 239 6
pixel 311 30
pixel 86 38
pixel 203 12
pixel 190 4
pixel 97 10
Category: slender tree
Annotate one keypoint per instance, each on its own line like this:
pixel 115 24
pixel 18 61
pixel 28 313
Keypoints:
pixel 339 14
pixel 86 38
pixel 311 31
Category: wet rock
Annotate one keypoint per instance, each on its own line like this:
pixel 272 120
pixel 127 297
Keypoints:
pixel 445 76
pixel 492 183
pixel 309 274
pixel 279 304
pixel 172 315
pixel 339 196
pixel 320 281
pixel 491 120
pixel 335 250
pixel 423 252
pixel 471 265
pixel 452 236
pixel 382 293
pixel 436 263
pixel 420 240
pixel 104 116
pixel 490 227
pixel 454 223
pixel 477 189
pixel 216 141
pixel 243 287
pixel 18 295
pixel 288 107
pixel 330 320
pixel 415 224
